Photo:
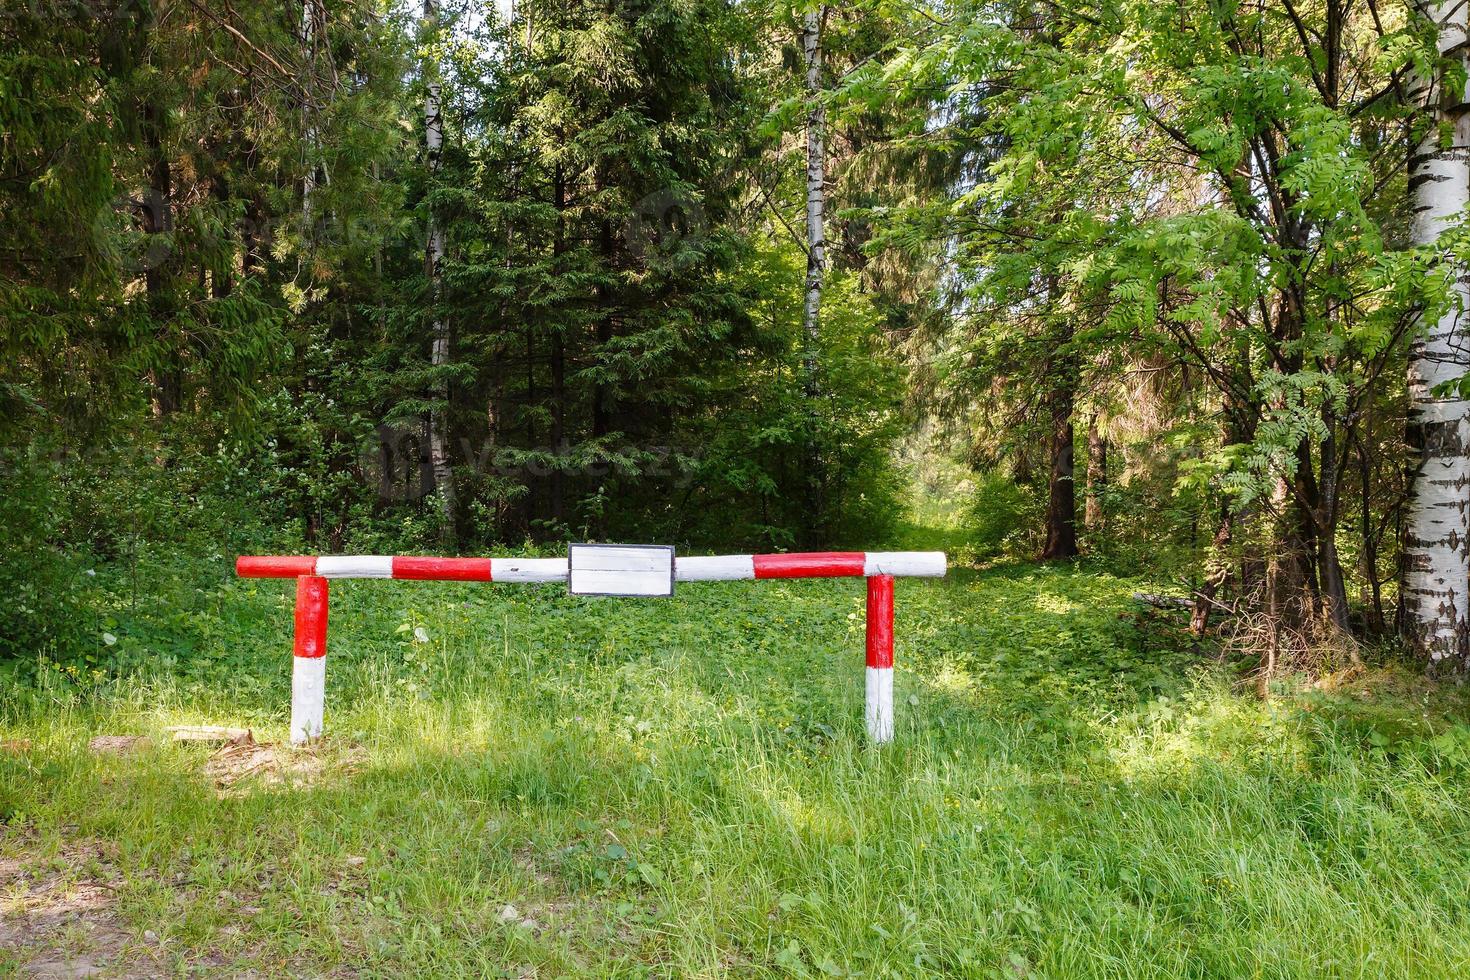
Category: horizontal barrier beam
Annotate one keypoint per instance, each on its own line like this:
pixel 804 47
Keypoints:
pixel 814 564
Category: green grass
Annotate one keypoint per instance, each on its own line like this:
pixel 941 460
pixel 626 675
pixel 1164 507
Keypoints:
pixel 682 788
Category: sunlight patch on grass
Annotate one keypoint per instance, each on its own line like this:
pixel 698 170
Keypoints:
pixel 1056 605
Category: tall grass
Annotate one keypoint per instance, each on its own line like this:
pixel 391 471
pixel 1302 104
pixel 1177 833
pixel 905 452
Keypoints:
pixel 682 788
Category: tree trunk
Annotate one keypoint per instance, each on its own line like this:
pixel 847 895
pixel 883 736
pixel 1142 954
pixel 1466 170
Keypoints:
pixel 1368 552
pixel 558 428
pixel 1097 475
pixel 434 258
pixel 1061 505
pixel 1292 598
pixel 255 244
pixel 1217 570
pixel 1021 471
pixel 1436 619
pixel 816 250
pixel 1239 429
pixel 158 220
pixel 1329 565
pixel 816 193
pixel 559 363
pixel 222 272
pixel 310 14
pixel 602 406
pixel 533 489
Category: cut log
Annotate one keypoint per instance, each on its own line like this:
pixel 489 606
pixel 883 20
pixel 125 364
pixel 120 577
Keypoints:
pixel 117 743
pixel 211 733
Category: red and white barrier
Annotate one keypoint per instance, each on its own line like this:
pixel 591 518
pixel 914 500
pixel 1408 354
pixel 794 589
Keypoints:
pixel 813 564
pixel 308 679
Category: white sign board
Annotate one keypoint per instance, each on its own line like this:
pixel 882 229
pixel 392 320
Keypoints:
pixel 621 569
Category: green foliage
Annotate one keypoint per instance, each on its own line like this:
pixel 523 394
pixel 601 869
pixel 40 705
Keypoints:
pixel 45 612
pixel 750 482
pixel 1204 237
pixel 1002 516
pixel 218 320
pixel 121 554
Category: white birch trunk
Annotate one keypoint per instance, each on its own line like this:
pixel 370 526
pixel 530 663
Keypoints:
pixel 816 194
pixel 308 109
pixel 434 258
pixel 1436 586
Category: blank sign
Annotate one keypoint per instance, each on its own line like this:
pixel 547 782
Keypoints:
pixel 621 569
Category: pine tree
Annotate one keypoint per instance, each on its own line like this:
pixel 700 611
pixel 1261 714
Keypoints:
pixel 601 192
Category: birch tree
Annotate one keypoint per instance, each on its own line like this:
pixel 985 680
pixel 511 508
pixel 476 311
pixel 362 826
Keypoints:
pixel 1435 609
pixel 309 16
pixel 812 22
pixel 433 262
pixel 816 193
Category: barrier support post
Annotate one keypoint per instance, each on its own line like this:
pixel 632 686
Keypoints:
pixel 879 703
pixel 309 665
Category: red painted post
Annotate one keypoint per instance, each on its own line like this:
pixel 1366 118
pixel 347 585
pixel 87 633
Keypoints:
pixel 879 702
pixel 309 665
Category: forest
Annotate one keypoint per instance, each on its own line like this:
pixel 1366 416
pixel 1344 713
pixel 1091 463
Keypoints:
pixel 742 276
pixel 1150 315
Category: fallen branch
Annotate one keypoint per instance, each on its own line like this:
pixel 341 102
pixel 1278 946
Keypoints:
pixel 1163 601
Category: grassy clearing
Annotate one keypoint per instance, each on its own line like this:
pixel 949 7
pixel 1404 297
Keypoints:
pixel 553 786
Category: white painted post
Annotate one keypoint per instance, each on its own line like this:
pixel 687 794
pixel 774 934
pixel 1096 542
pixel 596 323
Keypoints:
pixel 879 700
pixel 309 665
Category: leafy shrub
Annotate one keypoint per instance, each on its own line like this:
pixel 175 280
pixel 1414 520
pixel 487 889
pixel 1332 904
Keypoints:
pixel 1003 517
pixel 752 480
pixel 40 579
